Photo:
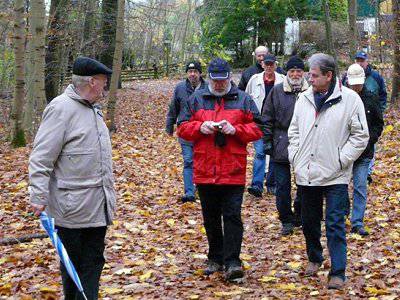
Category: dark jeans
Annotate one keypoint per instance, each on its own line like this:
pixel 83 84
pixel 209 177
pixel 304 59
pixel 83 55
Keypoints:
pixel 284 195
pixel 85 247
pixel 270 182
pixel 217 202
pixel 335 211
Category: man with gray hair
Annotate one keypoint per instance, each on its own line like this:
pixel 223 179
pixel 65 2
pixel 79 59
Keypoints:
pixel 328 132
pixel 259 54
pixel 70 173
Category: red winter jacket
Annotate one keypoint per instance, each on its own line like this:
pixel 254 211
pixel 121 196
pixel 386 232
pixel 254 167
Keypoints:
pixel 213 164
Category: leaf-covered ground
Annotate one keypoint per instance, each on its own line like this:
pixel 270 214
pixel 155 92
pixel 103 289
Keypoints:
pixel 157 247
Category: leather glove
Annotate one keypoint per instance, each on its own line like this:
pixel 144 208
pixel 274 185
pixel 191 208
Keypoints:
pixel 207 127
pixel 267 147
pixel 227 128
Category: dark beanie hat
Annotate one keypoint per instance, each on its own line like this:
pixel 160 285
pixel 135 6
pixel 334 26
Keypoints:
pixel 294 62
pixel 193 65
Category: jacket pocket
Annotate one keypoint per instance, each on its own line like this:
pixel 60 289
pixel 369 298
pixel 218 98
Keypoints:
pixel 201 166
pixel 236 163
pixel 78 164
pixel 340 161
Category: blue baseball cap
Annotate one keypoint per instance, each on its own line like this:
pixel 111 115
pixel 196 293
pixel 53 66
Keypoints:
pixel 219 69
pixel 361 55
pixel 269 58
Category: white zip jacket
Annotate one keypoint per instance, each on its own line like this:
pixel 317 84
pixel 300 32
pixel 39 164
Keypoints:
pixel 256 88
pixel 324 145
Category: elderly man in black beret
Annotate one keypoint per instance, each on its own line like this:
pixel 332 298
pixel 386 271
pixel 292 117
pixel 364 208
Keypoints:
pixel 277 113
pixel 182 92
pixel 70 173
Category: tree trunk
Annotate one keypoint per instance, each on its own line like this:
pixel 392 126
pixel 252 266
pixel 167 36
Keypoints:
pixel 88 39
pixel 189 2
pixel 36 96
pixel 119 45
pixel 108 29
pixel 18 134
pixel 353 38
pixel 395 99
pixel 328 30
pixel 55 36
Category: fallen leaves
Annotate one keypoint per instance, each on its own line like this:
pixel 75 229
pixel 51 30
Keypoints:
pixel 157 247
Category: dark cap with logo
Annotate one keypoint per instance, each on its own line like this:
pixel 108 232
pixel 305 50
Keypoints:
pixel 85 66
pixel 361 55
pixel 193 65
pixel 219 69
pixel 269 58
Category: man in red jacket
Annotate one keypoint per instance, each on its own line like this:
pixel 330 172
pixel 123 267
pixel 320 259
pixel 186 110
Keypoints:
pixel 220 121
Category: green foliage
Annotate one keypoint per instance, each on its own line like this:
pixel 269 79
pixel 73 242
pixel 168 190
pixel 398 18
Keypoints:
pixel 6 69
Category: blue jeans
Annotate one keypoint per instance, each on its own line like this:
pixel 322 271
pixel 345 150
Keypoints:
pixel 360 174
pixel 283 192
pixel 311 215
pixel 258 165
pixel 371 164
pixel 187 153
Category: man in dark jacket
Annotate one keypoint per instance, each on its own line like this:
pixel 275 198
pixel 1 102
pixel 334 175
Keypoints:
pixel 259 54
pixel 277 113
pixel 182 93
pixel 356 81
pixel 220 121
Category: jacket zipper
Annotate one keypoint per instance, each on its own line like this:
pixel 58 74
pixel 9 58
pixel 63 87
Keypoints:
pixel 340 162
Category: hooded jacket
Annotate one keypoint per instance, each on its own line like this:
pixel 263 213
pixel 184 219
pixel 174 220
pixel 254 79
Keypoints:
pixel 324 145
pixel 213 164
pixel 70 167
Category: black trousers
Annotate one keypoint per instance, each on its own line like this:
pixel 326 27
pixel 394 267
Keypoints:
pixel 85 247
pixel 223 202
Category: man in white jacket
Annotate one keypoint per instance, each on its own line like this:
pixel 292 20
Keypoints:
pixel 258 88
pixel 328 132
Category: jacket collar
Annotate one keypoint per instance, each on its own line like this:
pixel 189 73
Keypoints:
pixel 71 92
pixel 190 88
pixel 231 95
pixel 260 78
pixel 335 97
pixel 288 89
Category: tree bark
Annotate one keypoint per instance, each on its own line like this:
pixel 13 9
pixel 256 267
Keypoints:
pixel 87 43
pixel 108 29
pixel 55 36
pixel 189 3
pixel 395 98
pixel 18 134
pixel 117 62
pixel 328 30
pixel 352 15
pixel 36 96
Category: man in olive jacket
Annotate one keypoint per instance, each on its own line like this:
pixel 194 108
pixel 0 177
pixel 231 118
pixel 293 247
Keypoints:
pixel 277 113
pixel 70 173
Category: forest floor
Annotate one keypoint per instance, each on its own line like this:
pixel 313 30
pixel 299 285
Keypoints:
pixel 157 247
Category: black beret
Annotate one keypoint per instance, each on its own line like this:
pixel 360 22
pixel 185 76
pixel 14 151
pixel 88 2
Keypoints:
pixel 295 62
pixel 85 66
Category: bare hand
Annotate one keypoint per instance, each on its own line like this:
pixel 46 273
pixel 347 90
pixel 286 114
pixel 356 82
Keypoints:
pixel 207 127
pixel 37 208
pixel 227 128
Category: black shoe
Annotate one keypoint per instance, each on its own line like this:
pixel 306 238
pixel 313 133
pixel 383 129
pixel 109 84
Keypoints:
pixel 369 179
pixel 255 192
pixel 360 230
pixel 212 267
pixel 287 229
pixel 234 273
pixel 185 199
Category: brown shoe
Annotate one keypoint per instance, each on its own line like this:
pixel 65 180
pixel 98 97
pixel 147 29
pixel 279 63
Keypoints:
pixel 312 268
pixel 335 283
